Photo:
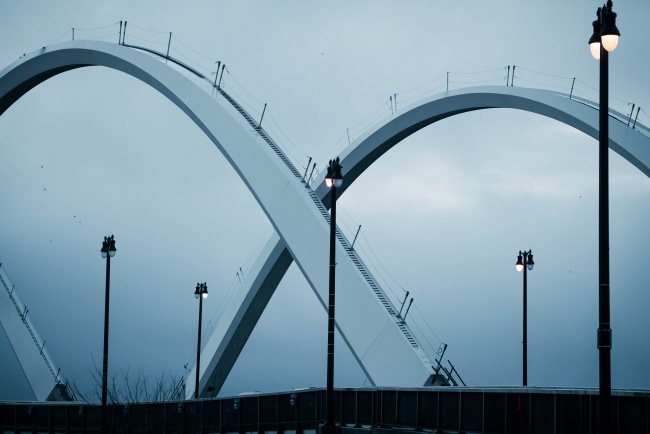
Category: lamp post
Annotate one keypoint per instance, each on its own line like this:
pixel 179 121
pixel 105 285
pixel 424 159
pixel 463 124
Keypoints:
pixel 526 264
pixel 333 180
pixel 108 251
pixel 603 40
pixel 201 292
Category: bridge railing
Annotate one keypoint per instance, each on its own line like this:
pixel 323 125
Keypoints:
pixel 168 47
pixel 505 410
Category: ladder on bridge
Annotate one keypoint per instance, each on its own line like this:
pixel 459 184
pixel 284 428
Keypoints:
pixel 314 197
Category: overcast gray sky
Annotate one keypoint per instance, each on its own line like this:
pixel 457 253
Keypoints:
pixel 444 213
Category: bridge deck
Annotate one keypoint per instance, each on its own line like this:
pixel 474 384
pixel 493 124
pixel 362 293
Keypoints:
pixel 476 410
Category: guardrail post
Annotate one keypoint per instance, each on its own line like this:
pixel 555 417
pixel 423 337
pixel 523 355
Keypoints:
pixel 505 395
pixel 262 118
pixel 460 412
pixel 381 407
pixel 483 411
pixel 396 417
pixel 417 412
pixel 637 116
pixel 258 415
pixel 356 409
pixel 554 413
pixel 169 44
pixel 438 411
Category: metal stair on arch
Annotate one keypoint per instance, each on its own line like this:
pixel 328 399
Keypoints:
pixel 344 242
pixel 276 149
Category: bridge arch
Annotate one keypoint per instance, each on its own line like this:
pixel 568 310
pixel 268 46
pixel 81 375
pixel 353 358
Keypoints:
pixel 266 177
pixel 365 150
pixel 283 198
pixel 294 211
pixel 580 114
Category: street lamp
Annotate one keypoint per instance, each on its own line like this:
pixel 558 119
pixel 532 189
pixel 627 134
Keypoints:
pixel 526 264
pixel 333 180
pixel 603 40
pixel 108 251
pixel 201 292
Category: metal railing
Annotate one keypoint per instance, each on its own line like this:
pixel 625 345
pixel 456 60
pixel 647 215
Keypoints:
pixel 503 410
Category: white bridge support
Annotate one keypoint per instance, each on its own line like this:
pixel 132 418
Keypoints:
pixel 383 346
pixel 43 380
pixel 376 336
pixel 274 259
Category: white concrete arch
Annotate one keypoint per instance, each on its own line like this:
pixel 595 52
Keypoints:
pixel 377 340
pixel 275 259
pixel 382 345
pixel 580 114
pixel 356 158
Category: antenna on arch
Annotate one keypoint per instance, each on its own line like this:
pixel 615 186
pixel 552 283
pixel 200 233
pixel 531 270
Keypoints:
pixel 304 178
pixel 311 174
pixel 263 111
pixel 630 118
pixel 403 303
pixel 169 44
pixel 638 109
pixel 407 310
pixel 355 239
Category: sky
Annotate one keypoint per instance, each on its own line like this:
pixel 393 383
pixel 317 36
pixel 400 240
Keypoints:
pixel 93 152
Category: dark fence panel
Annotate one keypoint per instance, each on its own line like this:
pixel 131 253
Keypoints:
pixel 449 412
pixel 366 404
pixel 542 406
pixel 407 408
pixel 568 414
pixel 268 413
pixel 472 412
pixel 248 416
pixel 428 414
pixel 388 409
pixel 633 415
pixel 307 410
pixel 493 411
